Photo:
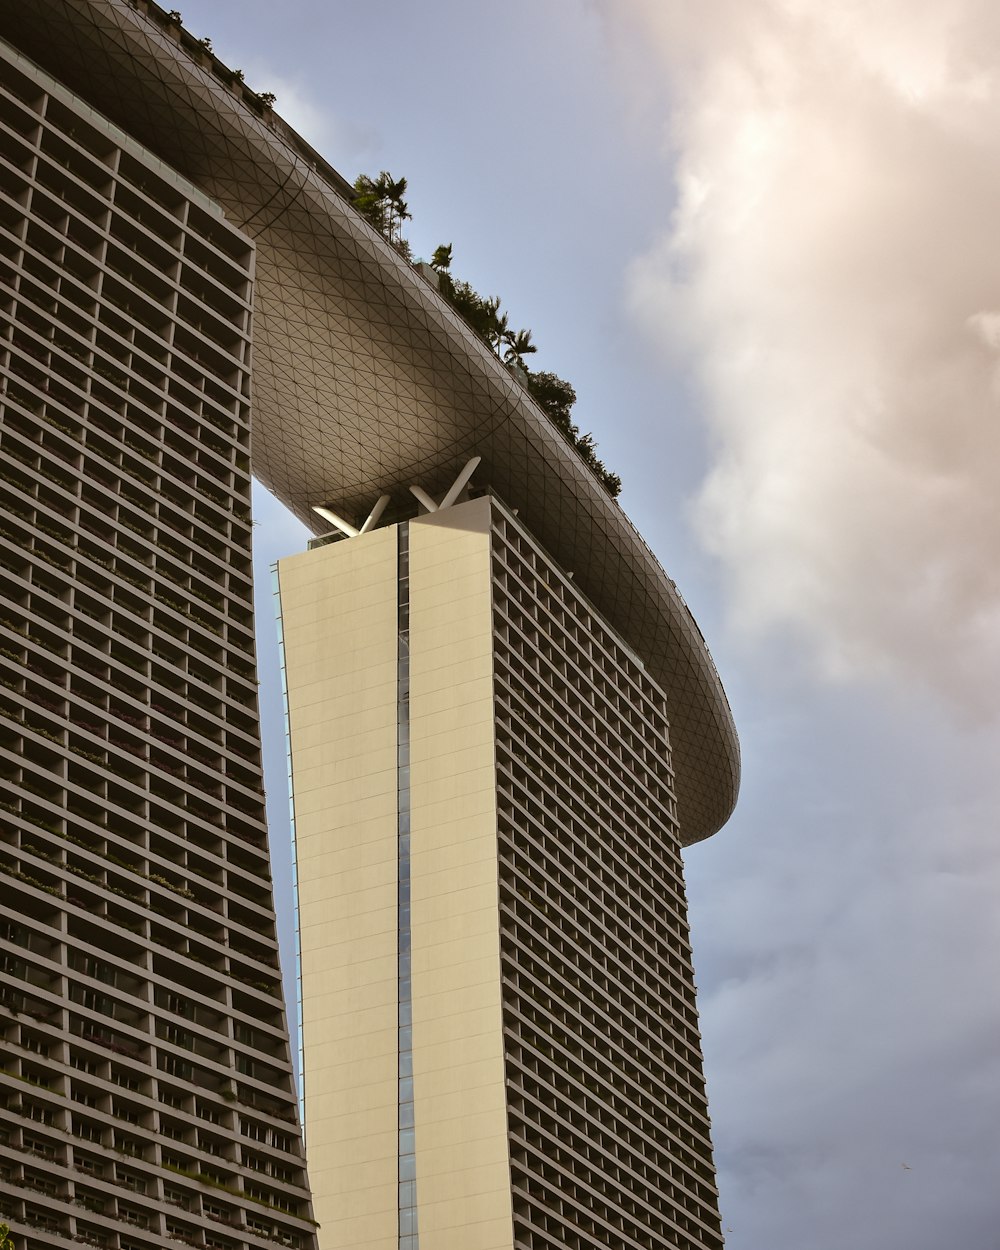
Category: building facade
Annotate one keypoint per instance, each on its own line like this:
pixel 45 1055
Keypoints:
pixel 503 721
pixel 146 1091
pixel 499 1025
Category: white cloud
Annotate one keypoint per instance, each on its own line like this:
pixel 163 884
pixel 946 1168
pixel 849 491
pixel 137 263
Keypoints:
pixel 830 272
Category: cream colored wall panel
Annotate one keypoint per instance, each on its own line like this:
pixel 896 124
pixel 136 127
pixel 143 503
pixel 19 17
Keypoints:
pixel 359 841
pixel 377 1090
pixel 477 691
pixel 482 1235
pixel 363 1232
pixel 359 853
pixel 448 735
pixel 458 1029
pixel 375 1150
pixel 332 932
pixel 472 1074
pixel 464 1110
pixel 368 687
pixel 453 760
pixel 340 637
pixel 372 807
pixel 457 916
pixel 485 1150
pixel 366 874
pixel 339 773
pixel 447 815
pixel 340 955
pixel 437 674
pixel 454 849
pixel 463 1175
pixel 457 863
pixel 469 1188
pixel 342 739
pixel 438 955
pixel 355 999
pixel 358 631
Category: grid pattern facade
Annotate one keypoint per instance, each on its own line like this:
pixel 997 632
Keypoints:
pixel 146 1089
pixel 364 379
pixel 608 1121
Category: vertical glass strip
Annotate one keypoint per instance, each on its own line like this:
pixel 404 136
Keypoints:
pixel 408 1238
pixel 300 1073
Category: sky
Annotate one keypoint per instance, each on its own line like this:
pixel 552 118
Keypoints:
pixel 759 239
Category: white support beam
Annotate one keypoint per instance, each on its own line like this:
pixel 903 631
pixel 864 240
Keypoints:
pixel 460 482
pixel 422 497
pixel 453 491
pixel 345 527
pixel 375 513
pixel 338 522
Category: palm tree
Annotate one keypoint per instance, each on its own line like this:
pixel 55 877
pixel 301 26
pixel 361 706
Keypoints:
pixel 441 260
pixel 380 201
pixel 397 210
pixel 498 328
pixel 519 345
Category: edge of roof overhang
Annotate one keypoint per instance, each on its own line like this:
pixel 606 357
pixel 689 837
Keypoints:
pixel 525 459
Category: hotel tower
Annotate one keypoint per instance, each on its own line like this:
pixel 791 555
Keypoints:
pixel 502 721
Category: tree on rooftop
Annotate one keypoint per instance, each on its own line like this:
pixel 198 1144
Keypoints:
pixel 519 345
pixel 441 260
pixel 380 201
pixel 555 397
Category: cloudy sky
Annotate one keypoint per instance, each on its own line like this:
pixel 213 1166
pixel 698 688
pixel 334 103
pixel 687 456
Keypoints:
pixel 759 237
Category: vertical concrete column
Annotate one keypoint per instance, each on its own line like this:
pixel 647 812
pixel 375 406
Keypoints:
pixel 339 626
pixel 463 1171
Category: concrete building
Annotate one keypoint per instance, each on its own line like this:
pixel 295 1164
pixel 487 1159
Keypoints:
pixel 503 721
pixel 498 1011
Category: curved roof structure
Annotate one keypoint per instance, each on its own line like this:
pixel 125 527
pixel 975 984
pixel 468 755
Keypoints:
pixel 364 379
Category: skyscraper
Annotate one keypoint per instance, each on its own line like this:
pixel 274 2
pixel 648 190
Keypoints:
pixel 146 1085
pixel 503 721
pixel 498 1015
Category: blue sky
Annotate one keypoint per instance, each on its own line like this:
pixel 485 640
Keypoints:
pixel 758 239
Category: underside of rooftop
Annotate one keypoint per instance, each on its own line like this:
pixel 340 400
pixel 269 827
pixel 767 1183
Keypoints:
pixel 364 379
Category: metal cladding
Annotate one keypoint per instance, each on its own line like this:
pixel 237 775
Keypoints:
pixel 364 379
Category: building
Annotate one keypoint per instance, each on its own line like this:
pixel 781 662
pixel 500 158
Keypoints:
pixel 146 1089
pixel 503 720
pixel 497 998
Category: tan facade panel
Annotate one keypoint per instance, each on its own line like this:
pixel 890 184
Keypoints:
pixel 463 1173
pixel 339 634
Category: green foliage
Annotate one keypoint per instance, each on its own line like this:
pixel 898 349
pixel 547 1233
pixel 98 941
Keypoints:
pixel 441 260
pixel 380 201
pixel 555 397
